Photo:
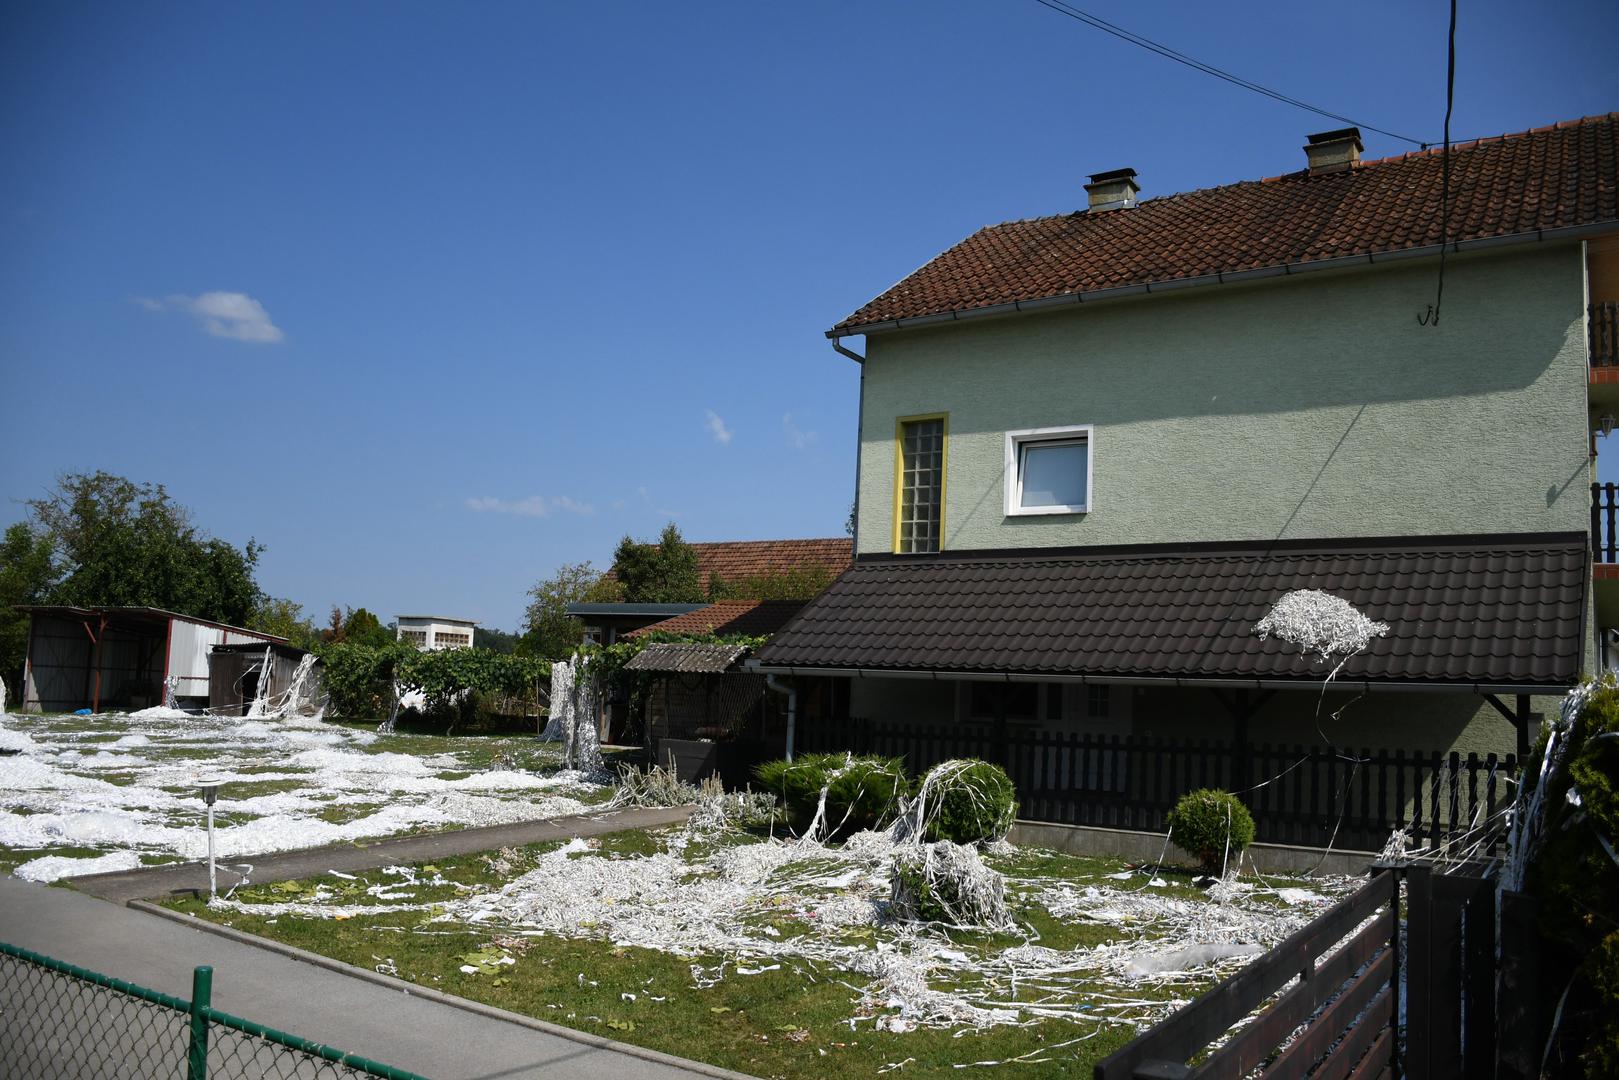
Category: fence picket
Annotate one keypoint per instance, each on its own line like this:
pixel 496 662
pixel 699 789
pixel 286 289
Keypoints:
pixel 1132 781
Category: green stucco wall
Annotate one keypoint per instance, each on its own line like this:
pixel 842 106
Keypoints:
pixel 1313 406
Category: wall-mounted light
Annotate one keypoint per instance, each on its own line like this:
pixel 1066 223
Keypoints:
pixel 1605 424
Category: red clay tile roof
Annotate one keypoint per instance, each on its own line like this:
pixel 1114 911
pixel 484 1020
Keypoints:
pixel 1462 611
pixel 1552 177
pixel 755 618
pixel 734 560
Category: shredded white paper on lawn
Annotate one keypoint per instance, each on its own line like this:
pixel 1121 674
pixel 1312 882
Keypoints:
pixel 737 908
pixel 123 786
pixel 1320 623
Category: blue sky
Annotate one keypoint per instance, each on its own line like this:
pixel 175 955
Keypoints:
pixel 431 299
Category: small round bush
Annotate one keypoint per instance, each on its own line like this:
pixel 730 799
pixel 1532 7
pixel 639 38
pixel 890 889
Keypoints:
pixel 946 883
pixel 861 792
pixel 1211 825
pixel 967 801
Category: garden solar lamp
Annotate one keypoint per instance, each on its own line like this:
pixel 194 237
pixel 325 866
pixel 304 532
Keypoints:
pixel 210 794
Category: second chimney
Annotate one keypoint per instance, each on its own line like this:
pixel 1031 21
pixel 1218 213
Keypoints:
pixel 1333 151
pixel 1113 190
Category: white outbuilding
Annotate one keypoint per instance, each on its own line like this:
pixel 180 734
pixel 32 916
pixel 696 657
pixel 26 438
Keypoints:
pixel 436 631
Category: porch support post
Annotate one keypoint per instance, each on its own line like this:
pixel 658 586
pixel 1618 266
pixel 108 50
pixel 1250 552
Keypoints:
pixel 1518 718
pixel 1239 741
pixel 1522 722
pixel 1000 724
pixel 1241 706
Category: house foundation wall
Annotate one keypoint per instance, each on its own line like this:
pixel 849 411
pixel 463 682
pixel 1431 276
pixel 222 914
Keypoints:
pixel 1136 846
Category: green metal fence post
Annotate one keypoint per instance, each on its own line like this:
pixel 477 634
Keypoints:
pixel 202 992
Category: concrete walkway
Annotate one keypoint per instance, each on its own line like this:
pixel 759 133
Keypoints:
pixel 162 882
pixel 390 1023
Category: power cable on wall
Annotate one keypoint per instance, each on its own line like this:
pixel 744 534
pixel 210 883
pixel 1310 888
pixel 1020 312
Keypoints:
pixel 1431 316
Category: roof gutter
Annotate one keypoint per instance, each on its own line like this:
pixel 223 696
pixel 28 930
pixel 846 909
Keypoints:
pixel 1236 277
pixel 755 666
pixel 859 440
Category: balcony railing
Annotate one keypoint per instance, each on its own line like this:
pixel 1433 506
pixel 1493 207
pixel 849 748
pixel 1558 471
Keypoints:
pixel 1605 334
pixel 1604 513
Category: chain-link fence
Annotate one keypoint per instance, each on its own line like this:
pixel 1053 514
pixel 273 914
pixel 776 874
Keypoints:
pixel 61 1022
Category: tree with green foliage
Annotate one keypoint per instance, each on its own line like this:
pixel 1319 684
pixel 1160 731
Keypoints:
pixel 361 678
pixel 284 618
pixel 116 542
pixel 356 626
pixel 27 571
pixel 496 641
pixel 1574 877
pixel 549 632
pixel 664 572
pixel 798 583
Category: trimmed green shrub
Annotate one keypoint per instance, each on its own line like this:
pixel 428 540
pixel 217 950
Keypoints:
pixel 967 801
pixel 1212 826
pixel 949 884
pixel 1602 1052
pixel 861 792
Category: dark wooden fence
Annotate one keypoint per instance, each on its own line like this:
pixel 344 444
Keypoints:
pixel 1371 1001
pixel 1605 334
pixel 1351 798
pixel 1346 1001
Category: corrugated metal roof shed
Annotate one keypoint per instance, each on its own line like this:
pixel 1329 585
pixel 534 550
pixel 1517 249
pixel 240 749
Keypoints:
pixel 686 657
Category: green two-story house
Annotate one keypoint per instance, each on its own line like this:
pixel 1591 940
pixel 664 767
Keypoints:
pixel 1096 449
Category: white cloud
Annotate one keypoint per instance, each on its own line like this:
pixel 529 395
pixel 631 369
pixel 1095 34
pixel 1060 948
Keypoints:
pixel 231 315
pixel 573 506
pixel 796 435
pixel 716 427
pixel 533 506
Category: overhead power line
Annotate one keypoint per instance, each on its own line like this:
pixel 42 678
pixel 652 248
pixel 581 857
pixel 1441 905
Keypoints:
pixel 1168 53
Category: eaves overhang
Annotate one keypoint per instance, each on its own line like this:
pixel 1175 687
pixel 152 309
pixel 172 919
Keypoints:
pixel 1233 277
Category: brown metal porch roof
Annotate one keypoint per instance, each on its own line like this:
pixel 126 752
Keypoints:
pixel 1471 612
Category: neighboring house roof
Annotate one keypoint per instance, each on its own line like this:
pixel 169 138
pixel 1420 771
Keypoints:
pixel 686 657
pixel 438 618
pixel 734 560
pixel 753 618
pixel 1557 177
pixel 1501 612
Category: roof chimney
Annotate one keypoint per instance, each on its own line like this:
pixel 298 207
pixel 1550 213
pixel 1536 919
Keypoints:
pixel 1334 151
pixel 1113 190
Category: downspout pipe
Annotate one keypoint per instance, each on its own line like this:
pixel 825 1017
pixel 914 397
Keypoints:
pixel 859 437
pixel 774 683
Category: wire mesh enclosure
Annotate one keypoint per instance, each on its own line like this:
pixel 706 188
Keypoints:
pixel 61 1022
pixel 53 1025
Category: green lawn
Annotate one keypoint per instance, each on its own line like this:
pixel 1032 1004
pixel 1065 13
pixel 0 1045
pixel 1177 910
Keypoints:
pixel 803 1019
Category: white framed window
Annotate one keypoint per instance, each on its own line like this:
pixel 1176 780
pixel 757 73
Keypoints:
pixel 1048 470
